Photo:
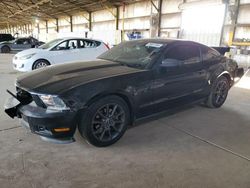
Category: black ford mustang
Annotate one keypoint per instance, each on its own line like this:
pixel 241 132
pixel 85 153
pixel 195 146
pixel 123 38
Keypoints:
pixel 131 81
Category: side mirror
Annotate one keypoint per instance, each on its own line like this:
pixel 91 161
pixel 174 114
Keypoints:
pixel 171 63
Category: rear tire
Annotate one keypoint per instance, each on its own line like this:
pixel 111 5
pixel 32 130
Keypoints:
pixel 5 49
pixel 105 121
pixel 219 92
pixel 41 63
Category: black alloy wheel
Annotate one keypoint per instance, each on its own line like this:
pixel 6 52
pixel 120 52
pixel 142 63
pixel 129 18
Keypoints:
pixel 108 122
pixel 219 93
pixel 105 121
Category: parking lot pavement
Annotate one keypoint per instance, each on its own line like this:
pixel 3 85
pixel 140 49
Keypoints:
pixel 196 147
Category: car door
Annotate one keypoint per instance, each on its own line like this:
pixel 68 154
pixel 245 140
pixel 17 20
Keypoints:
pixel 65 52
pixel 15 44
pixel 180 73
pixel 22 44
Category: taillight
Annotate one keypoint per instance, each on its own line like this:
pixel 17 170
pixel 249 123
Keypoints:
pixel 107 46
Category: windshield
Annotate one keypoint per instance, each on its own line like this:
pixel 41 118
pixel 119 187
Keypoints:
pixel 50 44
pixel 133 53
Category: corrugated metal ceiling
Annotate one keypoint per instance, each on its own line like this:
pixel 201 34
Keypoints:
pixel 15 12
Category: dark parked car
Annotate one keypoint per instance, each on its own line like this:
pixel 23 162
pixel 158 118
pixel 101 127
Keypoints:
pixel 131 81
pixel 19 44
pixel 6 37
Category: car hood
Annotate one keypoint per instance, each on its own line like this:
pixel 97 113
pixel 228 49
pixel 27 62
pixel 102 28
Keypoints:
pixel 57 79
pixel 28 52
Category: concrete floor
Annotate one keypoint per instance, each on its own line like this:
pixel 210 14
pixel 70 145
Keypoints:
pixel 197 147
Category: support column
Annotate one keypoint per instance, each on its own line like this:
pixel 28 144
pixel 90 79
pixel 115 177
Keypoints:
pixel 159 19
pixel 90 21
pixel 117 18
pixel 38 28
pixel 57 26
pixel 155 29
pixel 123 22
pixel 13 30
pixel 71 23
pixel 26 30
pixel 46 25
pixel 234 18
pixel 8 27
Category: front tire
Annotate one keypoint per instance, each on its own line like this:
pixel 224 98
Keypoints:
pixel 5 49
pixel 40 64
pixel 219 92
pixel 105 121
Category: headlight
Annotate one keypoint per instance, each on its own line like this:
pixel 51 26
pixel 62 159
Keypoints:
pixel 53 102
pixel 26 57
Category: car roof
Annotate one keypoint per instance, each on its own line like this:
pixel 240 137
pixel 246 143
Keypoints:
pixel 72 38
pixel 169 41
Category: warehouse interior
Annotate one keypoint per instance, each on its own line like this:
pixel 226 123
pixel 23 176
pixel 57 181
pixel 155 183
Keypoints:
pixel 193 147
pixel 115 21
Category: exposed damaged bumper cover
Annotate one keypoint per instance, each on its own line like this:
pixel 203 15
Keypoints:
pixel 53 126
pixel 239 73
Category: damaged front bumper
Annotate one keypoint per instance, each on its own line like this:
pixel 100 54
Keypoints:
pixel 53 126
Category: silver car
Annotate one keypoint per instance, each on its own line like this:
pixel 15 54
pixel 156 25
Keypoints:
pixel 19 44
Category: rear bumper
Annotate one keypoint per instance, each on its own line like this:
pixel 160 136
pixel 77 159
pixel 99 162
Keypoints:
pixel 54 126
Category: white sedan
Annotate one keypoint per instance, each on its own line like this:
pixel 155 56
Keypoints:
pixel 65 50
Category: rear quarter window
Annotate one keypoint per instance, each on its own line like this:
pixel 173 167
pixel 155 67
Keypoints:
pixel 89 44
pixel 209 54
pixel 186 54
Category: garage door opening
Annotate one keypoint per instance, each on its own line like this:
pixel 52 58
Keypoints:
pixel 203 23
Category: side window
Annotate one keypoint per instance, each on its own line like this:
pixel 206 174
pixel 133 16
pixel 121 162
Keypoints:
pixel 62 46
pixel 20 41
pixel 26 41
pixel 87 44
pixel 208 54
pixel 72 44
pixel 32 40
pixel 184 54
pixel 81 44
